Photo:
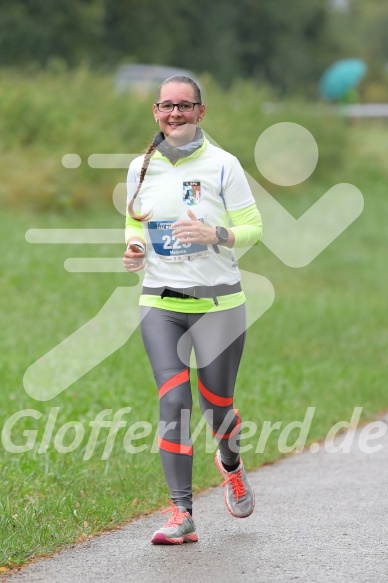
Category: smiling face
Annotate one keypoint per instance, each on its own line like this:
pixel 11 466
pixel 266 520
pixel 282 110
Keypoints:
pixel 177 127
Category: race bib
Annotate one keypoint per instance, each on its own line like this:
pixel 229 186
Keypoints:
pixel 168 248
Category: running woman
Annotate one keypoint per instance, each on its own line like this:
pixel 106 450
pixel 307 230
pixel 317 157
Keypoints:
pixel 189 205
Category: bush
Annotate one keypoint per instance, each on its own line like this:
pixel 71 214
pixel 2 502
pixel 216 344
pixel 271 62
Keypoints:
pixel 47 114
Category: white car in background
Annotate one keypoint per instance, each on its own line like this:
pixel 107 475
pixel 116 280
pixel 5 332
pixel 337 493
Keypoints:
pixel 146 78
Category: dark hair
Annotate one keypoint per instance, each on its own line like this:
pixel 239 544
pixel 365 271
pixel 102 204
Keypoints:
pixel 150 149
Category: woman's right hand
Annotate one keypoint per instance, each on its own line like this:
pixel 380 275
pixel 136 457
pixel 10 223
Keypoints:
pixel 134 257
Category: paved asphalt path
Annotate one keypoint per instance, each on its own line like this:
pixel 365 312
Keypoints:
pixel 319 517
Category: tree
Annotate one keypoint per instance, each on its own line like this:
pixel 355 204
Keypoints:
pixel 36 31
pixel 281 42
pixel 286 44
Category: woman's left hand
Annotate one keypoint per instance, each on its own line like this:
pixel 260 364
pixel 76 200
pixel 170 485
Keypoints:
pixel 194 231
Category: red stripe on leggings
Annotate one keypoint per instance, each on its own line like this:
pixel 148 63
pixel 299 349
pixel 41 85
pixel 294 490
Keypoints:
pixel 175 447
pixel 175 381
pixel 214 399
pixel 234 430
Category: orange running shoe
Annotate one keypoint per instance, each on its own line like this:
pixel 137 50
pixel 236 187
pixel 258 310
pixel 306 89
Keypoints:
pixel 179 529
pixel 239 495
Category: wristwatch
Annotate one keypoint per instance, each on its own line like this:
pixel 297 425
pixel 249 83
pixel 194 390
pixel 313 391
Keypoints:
pixel 222 235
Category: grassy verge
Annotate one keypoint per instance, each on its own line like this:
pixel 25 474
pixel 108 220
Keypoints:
pixel 320 345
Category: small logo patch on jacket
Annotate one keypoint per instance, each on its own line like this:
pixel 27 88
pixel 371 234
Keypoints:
pixel 191 192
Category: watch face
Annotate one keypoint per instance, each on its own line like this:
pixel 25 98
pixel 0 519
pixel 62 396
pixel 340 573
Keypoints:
pixel 222 234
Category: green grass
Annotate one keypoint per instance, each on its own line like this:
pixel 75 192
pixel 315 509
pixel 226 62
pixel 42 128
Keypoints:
pixel 322 344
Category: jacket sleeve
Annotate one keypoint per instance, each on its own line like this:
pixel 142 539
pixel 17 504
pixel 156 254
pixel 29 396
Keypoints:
pixel 247 226
pixel 133 228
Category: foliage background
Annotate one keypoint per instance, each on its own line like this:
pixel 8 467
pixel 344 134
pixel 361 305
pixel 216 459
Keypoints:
pixel 284 44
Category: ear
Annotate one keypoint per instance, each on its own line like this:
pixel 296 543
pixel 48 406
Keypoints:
pixel 202 110
pixel 155 112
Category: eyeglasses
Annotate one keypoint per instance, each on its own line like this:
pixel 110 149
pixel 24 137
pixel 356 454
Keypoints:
pixel 183 107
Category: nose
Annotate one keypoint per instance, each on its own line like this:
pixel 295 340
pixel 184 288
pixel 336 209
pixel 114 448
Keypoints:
pixel 173 112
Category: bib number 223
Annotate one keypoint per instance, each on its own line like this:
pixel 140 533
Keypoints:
pixel 168 248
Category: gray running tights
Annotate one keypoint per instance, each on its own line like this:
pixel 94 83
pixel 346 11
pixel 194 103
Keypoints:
pixel 218 340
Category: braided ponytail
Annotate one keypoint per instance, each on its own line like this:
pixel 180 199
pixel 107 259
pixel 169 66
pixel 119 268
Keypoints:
pixel 147 157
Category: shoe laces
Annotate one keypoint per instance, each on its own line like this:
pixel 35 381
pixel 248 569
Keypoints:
pixel 177 516
pixel 237 483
